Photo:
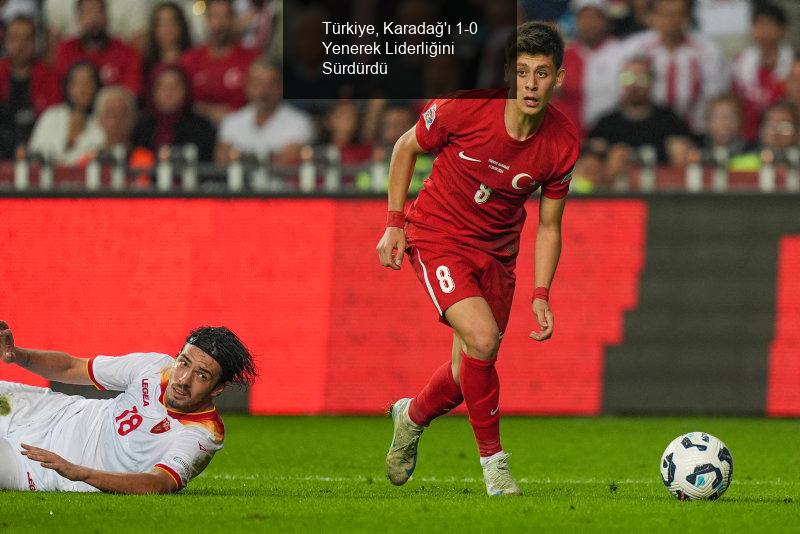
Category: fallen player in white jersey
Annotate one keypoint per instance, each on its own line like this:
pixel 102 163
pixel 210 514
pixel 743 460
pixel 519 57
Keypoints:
pixel 158 434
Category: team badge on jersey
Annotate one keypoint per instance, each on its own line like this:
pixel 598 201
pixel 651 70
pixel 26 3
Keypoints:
pixel 429 116
pixel 161 427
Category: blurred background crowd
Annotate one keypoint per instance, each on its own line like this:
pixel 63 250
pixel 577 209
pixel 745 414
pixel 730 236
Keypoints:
pixel 666 83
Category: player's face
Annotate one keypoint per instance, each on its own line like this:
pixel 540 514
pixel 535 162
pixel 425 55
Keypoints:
pixel 537 77
pixel 194 381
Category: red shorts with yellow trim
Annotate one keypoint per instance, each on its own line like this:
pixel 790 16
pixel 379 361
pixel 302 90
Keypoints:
pixel 450 272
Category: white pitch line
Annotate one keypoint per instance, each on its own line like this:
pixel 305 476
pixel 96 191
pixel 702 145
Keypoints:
pixel 469 480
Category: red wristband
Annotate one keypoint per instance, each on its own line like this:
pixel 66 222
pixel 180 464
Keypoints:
pixel 541 293
pixel 395 219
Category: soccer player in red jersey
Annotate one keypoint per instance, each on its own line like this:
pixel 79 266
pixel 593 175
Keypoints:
pixel 495 148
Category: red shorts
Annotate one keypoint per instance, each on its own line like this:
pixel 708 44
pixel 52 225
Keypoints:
pixel 451 272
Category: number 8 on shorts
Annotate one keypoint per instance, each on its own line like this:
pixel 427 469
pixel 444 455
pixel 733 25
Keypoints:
pixel 445 280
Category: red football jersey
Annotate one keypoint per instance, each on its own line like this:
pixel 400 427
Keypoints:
pixel 482 177
pixel 118 63
pixel 218 79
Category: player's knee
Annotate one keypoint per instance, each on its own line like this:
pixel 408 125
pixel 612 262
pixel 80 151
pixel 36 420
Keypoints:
pixel 482 345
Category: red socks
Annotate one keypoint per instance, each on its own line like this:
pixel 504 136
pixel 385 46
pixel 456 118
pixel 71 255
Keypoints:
pixel 440 395
pixel 481 388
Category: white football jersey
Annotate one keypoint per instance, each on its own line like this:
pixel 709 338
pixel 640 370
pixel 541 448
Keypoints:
pixel 133 432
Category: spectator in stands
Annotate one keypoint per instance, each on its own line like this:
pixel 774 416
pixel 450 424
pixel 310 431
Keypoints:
pixel 725 128
pixel 127 20
pixel 396 118
pixel 117 62
pixel 116 113
pixel 64 132
pixel 638 121
pixel 761 70
pixel 10 10
pixel 167 39
pixel 592 60
pixel 689 68
pixel 169 119
pixel 217 70
pixel 632 18
pixel 589 174
pixel 340 124
pixel 267 123
pixel 255 22
pixel 779 128
pixel 792 87
pixel 27 86
pixel 726 22
pixel 340 128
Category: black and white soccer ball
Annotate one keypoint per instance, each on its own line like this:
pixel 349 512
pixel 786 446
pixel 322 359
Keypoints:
pixel 696 466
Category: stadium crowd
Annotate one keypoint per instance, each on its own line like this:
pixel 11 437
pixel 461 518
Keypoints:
pixel 680 81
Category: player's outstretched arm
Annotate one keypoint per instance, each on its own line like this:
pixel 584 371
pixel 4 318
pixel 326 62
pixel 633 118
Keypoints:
pixel 52 365
pixel 548 251
pixel 404 156
pixel 156 481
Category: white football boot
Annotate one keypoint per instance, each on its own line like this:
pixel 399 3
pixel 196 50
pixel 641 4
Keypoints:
pixel 402 456
pixel 497 476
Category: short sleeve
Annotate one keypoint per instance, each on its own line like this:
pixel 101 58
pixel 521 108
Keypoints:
pixel 190 453
pixel 118 372
pixel 435 125
pixel 558 186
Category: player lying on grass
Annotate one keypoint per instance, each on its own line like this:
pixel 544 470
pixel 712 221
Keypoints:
pixel 158 434
pixel 495 148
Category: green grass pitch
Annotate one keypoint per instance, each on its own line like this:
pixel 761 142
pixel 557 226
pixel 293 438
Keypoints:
pixel 326 474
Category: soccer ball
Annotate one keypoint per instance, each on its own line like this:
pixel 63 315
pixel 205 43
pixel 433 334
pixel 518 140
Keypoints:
pixel 696 466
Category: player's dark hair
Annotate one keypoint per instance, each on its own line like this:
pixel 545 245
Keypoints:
pixel 535 39
pixel 770 11
pixel 228 351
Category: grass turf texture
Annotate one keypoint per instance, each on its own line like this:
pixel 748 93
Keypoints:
pixel 327 473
